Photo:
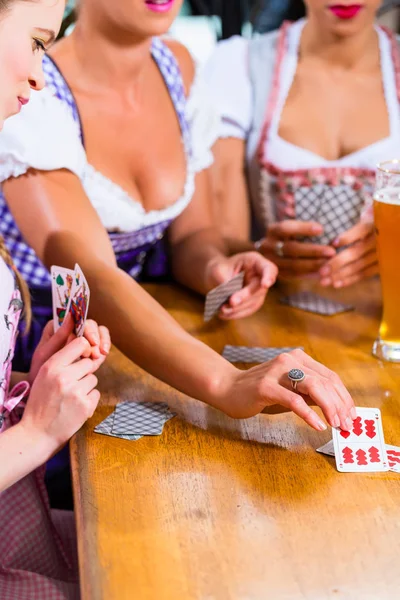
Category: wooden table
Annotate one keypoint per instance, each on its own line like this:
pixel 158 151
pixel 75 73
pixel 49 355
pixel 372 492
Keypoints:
pixel 217 509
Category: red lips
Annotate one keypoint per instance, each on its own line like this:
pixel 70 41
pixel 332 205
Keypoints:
pixel 342 11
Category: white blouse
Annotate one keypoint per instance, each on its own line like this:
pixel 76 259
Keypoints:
pixel 45 137
pixel 227 75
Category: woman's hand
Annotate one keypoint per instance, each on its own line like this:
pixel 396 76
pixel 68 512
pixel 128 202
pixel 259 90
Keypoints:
pixel 354 263
pixel 248 393
pixel 63 395
pixel 259 275
pixel 293 257
pixel 98 347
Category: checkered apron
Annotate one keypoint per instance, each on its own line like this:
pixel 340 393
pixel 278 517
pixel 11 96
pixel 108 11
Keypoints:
pixel 37 549
pixel 140 253
pixel 335 197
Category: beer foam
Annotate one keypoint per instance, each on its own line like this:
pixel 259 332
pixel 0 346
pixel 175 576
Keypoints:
pixel 388 195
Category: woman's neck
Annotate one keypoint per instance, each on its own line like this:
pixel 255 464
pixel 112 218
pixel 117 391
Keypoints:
pixel 106 58
pixel 357 52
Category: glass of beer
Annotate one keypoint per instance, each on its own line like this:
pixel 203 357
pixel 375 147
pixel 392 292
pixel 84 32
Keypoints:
pixel 387 223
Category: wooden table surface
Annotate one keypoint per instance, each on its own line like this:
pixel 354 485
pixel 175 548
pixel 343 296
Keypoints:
pixel 217 509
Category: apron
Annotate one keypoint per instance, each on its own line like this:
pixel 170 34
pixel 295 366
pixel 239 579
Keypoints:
pixel 336 197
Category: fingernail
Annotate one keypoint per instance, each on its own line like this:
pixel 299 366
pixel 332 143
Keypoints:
pixel 353 413
pixel 317 229
pixel 236 301
pixel 336 242
pixel 338 284
pixel 325 282
pixel 349 423
pixel 336 421
pixel 325 270
pixel 329 252
pixel 321 425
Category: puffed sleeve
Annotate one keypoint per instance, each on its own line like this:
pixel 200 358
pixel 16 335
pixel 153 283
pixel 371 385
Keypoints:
pixel 43 136
pixel 228 80
pixel 204 121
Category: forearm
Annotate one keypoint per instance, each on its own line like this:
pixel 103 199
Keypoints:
pixel 21 453
pixel 192 256
pixel 150 337
pixel 236 246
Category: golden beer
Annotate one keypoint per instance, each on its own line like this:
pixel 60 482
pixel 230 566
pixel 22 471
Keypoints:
pixel 387 223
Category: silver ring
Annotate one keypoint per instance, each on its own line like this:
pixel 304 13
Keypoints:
pixel 278 249
pixel 258 244
pixel 296 376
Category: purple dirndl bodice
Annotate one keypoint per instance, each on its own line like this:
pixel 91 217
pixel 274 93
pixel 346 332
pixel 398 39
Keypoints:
pixel 142 253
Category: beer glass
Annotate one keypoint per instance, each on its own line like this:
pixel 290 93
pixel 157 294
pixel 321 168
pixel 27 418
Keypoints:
pixel 387 223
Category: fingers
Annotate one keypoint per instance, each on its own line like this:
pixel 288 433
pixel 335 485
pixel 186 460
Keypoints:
pixel 293 249
pixel 320 369
pixel 299 406
pixel 50 342
pixel 105 340
pixel 87 384
pixel 356 233
pixel 350 261
pixel 81 369
pixel 359 276
pixel 92 401
pixel 70 353
pixel 292 228
pixel 300 266
pixel 245 308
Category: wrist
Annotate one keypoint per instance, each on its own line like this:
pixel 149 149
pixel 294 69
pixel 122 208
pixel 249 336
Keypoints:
pixel 36 442
pixel 219 387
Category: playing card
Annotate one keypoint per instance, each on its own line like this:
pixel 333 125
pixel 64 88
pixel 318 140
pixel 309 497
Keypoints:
pixel 327 449
pixel 393 455
pixel 252 355
pixel 141 418
pixel 311 302
pixel 105 428
pixel 79 301
pixel 363 448
pixel 61 284
pixel 219 295
pixel 337 208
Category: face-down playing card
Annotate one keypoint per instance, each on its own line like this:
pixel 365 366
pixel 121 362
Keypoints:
pixel 311 302
pixel 141 418
pixel 219 295
pixel 105 428
pixel 245 354
pixel 363 448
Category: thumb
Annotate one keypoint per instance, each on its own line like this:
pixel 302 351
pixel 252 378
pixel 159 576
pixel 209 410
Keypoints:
pixel 221 272
pixel 59 339
pixel 358 232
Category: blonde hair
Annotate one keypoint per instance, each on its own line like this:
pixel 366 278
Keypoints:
pixel 23 287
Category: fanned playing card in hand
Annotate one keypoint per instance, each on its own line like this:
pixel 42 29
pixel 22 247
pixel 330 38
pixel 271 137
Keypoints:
pixel 219 295
pixel 363 448
pixel 79 301
pixel 245 354
pixel 61 284
pixel 311 302
pixel 141 418
pixel 393 455
pixel 105 428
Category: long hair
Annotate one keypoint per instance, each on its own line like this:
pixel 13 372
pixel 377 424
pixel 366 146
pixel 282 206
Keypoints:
pixel 23 287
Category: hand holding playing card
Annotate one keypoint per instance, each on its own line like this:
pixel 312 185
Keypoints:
pixel 247 393
pixel 50 343
pixel 259 275
pixel 357 260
